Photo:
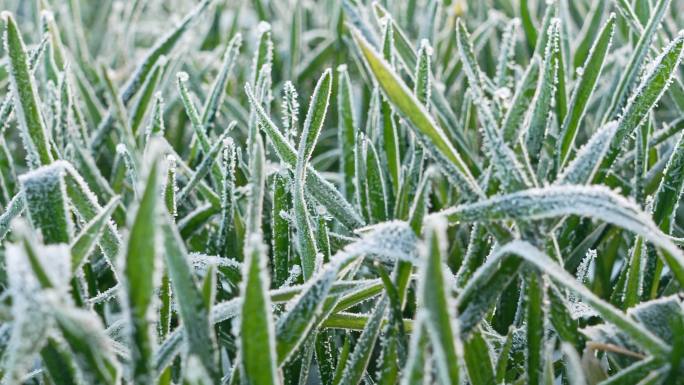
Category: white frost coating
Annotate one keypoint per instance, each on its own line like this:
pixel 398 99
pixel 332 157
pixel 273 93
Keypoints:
pixel 388 241
pixel 195 373
pixel 597 202
pixel 31 319
pixel 585 165
pixel 294 273
pixel 657 315
pixel 425 46
pixel 13 209
pixel 503 93
pixel 200 262
pixel 43 190
pixel 182 76
pixel 263 27
pixel 121 149
pixel 583 269
pixel 86 326
pixel 290 112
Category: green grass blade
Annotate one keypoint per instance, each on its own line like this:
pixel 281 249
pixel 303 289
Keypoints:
pixel 478 360
pixel 535 328
pixel 90 235
pixel 84 334
pixel 540 114
pixel 87 207
pixel 192 309
pixel 26 102
pixel 257 334
pixel 629 75
pixel 323 191
pixel 377 194
pixel 508 169
pixel 218 88
pixel 521 102
pixel 312 128
pixel 162 47
pixel 409 106
pixel 533 256
pixel 146 95
pixel 14 208
pixel 46 203
pixel 552 202
pixel 588 78
pixel 139 271
pixel 281 229
pixel 588 159
pixel 358 361
pixel 669 191
pixel 655 81
pixel 589 30
pixel 528 25
pixel 346 123
pixel 435 299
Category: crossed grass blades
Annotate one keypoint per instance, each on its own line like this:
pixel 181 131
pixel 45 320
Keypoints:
pixel 341 192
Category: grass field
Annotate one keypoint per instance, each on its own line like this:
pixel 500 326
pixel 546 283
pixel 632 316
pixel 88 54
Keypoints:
pixel 341 192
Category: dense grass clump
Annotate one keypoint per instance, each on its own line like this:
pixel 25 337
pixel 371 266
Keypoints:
pixel 341 192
